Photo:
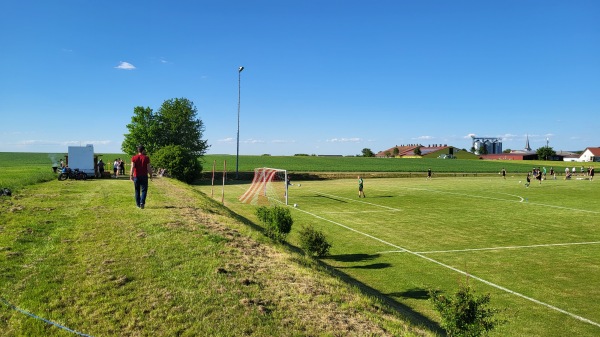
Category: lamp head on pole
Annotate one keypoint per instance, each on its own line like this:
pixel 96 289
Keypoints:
pixel 240 69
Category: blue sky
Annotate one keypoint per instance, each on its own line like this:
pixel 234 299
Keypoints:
pixel 321 76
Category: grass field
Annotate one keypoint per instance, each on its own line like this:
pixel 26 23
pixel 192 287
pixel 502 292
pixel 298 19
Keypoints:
pixel 79 255
pixel 535 250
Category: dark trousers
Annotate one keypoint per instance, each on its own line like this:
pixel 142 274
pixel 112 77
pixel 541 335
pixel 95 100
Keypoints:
pixel 141 189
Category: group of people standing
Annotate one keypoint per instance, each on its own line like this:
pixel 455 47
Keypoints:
pixel 118 167
pixel 589 172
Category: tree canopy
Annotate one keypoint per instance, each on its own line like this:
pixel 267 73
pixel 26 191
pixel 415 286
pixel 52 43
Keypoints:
pixel 366 152
pixel 545 152
pixel 175 123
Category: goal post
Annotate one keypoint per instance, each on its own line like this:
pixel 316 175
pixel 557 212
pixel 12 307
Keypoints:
pixel 268 185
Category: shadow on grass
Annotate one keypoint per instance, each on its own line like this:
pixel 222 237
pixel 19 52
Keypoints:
pixel 369 266
pixel 328 197
pixel 353 257
pixel 408 313
pixel 415 293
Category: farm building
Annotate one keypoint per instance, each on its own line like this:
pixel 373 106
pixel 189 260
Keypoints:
pixel 510 156
pixel 420 151
pixel 591 154
pixel 487 145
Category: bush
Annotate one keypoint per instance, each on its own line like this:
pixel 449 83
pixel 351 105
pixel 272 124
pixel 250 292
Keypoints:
pixel 313 242
pixel 277 221
pixel 466 314
pixel 180 163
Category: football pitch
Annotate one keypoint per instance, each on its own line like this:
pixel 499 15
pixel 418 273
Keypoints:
pixel 535 250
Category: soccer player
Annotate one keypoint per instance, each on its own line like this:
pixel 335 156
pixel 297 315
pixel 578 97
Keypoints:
pixel 503 173
pixel 429 173
pixel 528 179
pixel 361 193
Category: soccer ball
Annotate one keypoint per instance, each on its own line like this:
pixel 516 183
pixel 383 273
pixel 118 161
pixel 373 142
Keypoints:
pixel 299 185
pixel 295 205
pixel 519 181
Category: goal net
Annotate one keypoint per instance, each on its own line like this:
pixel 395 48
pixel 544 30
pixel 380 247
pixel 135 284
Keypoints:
pixel 268 186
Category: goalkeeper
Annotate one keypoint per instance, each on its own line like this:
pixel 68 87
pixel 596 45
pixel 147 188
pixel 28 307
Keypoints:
pixel 361 193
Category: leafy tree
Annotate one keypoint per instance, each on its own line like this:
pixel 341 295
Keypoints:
pixel 545 152
pixel 179 162
pixel 465 314
pixel 367 153
pixel 387 154
pixel 507 151
pixel 142 129
pixel 417 151
pixel 178 125
pixel 396 151
pixel 175 123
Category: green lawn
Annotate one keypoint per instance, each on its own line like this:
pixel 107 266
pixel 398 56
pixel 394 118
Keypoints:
pixel 79 254
pixel 534 249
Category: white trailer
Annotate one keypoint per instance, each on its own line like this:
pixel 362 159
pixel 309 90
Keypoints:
pixel 82 158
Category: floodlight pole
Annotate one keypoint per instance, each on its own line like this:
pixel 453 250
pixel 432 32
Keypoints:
pixel 237 155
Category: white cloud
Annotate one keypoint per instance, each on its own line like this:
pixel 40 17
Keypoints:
pixel 424 138
pixel 344 140
pixel 253 141
pixel 281 141
pixel 125 66
pixel 97 142
pixel 507 137
pixel 226 140
pixel 470 135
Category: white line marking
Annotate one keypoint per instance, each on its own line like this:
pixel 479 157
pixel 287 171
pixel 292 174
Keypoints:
pixel 499 199
pixel 351 212
pixel 401 249
pixel 503 248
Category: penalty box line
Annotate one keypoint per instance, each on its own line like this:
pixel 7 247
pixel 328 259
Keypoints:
pixel 500 199
pixel 503 248
pixel 421 255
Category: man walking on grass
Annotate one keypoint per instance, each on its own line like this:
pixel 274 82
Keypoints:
pixel 139 174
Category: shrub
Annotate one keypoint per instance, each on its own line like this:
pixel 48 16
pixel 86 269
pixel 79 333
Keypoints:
pixel 180 163
pixel 277 221
pixel 313 242
pixel 465 314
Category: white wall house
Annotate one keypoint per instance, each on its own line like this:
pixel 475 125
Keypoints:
pixel 591 154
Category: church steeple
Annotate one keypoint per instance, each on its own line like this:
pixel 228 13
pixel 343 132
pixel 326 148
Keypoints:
pixel 527 147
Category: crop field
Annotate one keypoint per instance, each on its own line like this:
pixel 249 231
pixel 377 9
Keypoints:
pixel 372 164
pixel 535 250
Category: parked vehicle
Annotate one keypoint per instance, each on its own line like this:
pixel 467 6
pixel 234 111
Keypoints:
pixel 68 173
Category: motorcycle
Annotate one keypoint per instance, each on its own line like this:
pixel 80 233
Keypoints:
pixel 68 173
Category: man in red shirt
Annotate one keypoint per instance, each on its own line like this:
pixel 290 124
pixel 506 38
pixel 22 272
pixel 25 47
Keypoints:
pixel 139 174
